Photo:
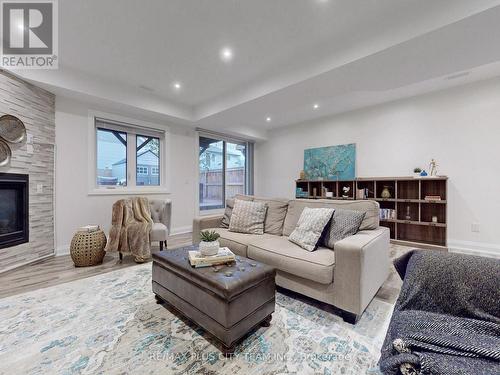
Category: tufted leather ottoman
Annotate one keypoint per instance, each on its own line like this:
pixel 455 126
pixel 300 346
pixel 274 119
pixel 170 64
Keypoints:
pixel 227 301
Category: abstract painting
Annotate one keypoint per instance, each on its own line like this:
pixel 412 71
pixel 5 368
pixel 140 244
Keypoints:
pixel 332 162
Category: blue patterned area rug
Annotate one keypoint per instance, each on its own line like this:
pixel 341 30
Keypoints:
pixel 110 324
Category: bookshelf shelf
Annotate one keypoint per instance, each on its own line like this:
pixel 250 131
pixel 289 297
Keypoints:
pixel 418 221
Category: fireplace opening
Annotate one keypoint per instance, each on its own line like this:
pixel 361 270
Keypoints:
pixel 14 217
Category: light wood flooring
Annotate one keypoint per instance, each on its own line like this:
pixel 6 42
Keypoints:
pixel 59 270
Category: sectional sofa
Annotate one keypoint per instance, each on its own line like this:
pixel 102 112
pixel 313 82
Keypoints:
pixel 347 277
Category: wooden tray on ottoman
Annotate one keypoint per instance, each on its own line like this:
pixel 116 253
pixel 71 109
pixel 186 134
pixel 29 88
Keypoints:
pixel 228 301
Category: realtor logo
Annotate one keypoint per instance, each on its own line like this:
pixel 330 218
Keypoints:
pixel 29 34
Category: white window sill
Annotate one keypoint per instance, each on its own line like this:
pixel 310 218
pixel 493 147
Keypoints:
pixel 213 212
pixel 129 191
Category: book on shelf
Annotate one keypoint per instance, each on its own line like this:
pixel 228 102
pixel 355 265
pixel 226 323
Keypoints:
pixel 360 194
pixel 432 198
pixel 89 228
pixel 387 213
pixel 223 256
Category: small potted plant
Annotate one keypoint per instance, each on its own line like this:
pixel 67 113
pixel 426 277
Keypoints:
pixel 209 244
pixel 416 172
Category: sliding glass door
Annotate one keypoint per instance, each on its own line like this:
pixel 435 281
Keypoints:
pixel 223 171
pixel 235 180
pixel 211 173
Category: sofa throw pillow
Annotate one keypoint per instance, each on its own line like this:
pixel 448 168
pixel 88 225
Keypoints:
pixel 276 213
pixel 229 208
pixel 310 226
pixel 344 223
pixel 248 217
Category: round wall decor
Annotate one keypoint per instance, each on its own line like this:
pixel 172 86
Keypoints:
pixel 12 129
pixel 5 153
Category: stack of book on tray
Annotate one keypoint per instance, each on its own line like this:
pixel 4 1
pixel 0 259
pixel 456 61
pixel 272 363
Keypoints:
pixel 89 228
pixel 222 257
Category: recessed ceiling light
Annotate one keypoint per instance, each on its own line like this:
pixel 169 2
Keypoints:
pixel 177 85
pixel 226 54
pixel 268 119
pixel 316 106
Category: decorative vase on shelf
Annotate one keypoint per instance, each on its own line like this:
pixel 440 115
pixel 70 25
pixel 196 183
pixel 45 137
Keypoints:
pixel 209 248
pixel 385 193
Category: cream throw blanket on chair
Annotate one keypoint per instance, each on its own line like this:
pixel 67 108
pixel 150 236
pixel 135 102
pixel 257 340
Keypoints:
pixel 130 227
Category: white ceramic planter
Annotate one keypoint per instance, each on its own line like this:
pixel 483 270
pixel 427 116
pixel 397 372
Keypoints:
pixel 209 248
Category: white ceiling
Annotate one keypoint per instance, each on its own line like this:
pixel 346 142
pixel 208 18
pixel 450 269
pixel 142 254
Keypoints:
pixel 288 54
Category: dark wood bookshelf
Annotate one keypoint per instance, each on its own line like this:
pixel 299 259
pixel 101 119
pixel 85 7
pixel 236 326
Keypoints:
pixel 413 224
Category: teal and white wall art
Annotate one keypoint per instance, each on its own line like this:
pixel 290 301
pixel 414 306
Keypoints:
pixel 332 162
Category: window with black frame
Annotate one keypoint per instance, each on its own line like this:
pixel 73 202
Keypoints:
pixel 147 161
pixel 223 171
pixel 127 156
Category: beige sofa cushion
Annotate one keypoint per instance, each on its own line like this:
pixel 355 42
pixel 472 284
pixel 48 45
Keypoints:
pixel 279 252
pixel 237 242
pixel 295 207
pixel 276 213
pixel 229 208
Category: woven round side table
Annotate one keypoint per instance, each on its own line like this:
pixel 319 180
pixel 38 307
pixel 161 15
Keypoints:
pixel 87 248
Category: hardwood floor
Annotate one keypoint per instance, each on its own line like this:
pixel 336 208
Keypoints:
pixel 59 270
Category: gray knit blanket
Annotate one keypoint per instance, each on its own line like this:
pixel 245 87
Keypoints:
pixel 447 317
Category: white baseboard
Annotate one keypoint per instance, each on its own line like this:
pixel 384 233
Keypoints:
pixel 64 249
pixel 474 248
pixel 182 230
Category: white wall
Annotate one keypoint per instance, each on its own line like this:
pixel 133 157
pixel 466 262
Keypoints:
pixel 460 128
pixel 74 207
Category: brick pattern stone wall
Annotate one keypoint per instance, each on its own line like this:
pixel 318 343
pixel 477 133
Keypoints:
pixel 36 108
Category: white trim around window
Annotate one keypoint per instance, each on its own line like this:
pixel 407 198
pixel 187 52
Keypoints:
pixel 131 126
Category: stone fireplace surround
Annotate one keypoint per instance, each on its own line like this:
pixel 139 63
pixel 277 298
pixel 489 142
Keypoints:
pixel 35 107
pixel 14 202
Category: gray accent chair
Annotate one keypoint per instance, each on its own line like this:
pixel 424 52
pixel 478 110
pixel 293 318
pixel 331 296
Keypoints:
pixel 161 213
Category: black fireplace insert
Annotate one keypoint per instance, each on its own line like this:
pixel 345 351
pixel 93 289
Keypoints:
pixel 14 216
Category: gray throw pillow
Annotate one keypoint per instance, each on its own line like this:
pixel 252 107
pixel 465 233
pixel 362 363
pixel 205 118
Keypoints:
pixel 229 208
pixel 310 226
pixel 248 217
pixel 344 223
